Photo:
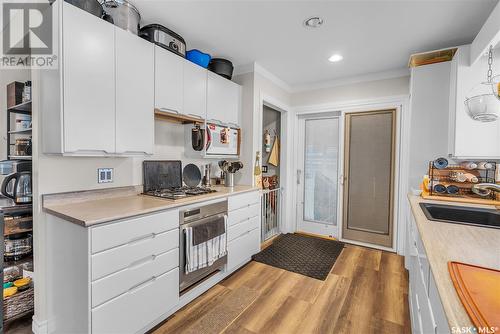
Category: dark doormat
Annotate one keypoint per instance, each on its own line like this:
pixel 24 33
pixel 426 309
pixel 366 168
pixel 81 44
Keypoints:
pixel 302 254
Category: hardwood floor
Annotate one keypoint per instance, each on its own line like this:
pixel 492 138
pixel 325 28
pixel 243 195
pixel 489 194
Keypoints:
pixel 365 292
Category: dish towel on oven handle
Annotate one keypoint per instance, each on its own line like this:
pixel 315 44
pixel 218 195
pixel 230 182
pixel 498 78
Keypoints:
pixel 206 253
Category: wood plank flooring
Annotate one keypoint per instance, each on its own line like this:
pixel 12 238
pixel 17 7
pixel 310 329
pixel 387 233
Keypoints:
pixel 365 292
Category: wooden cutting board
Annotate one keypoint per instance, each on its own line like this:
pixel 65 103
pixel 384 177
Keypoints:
pixel 479 291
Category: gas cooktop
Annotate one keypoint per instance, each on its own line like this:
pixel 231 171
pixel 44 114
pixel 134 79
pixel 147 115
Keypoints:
pixel 181 192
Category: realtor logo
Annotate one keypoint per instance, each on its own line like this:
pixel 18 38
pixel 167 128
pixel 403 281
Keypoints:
pixel 27 36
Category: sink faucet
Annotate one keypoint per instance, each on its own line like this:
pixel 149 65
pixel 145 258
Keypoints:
pixel 484 189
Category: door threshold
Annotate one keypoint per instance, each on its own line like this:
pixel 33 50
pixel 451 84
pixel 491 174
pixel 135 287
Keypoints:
pixel 364 244
pixel 268 242
pixel 316 235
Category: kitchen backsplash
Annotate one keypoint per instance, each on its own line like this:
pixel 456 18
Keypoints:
pixel 62 174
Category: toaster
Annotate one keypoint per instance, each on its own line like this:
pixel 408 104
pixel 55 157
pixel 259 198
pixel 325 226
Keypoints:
pixel 164 37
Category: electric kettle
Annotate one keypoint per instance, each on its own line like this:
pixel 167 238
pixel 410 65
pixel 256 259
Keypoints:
pixel 21 191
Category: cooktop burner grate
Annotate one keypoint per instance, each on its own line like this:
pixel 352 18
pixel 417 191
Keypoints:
pixel 181 192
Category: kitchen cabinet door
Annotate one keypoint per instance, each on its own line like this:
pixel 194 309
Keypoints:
pixel 469 138
pixel 195 90
pixel 223 100
pixel 169 80
pixel 134 94
pixel 88 82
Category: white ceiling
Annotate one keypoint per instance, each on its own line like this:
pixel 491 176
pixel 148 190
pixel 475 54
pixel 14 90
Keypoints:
pixel 373 36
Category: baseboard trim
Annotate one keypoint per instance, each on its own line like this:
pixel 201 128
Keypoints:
pixel 316 235
pixel 39 327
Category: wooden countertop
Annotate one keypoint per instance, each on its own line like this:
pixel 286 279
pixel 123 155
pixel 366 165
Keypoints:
pixel 445 242
pixel 102 210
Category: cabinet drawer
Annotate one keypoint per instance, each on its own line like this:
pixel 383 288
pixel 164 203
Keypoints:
pixel 120 233
pixel 422 258
pixel 120 282
pixel 243 227
pixel 138 307
pixel 240 201
pixel 242 248
pixel 242 214
pixel 428 323
pixel 122 257
pixel 437 308
pixel 417 327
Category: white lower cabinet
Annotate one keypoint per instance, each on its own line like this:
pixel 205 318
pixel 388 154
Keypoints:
pixel 427 314
pixel 123 276
pixel 139 306
pixel 244 228
pixel 242 248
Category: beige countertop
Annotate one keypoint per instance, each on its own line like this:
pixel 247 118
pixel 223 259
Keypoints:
pixel 100 210
pixel 444 242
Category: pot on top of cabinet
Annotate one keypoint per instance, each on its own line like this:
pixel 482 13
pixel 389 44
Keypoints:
pixel 123 14
pixel 164 37
pixel 222 67
pixel 93 7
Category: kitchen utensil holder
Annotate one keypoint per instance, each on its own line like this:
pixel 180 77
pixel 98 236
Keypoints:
pixel 443 176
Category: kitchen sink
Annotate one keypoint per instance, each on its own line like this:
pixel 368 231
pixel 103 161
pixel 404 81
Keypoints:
pixel 461 215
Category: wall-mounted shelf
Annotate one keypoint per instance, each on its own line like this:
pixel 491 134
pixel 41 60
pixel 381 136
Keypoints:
pixel 20 157
pixel 21 108
pixel 174 117
pixel 14 132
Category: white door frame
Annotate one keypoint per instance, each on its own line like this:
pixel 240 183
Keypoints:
pixel 300 154
pixel 401 104
pixel 286 152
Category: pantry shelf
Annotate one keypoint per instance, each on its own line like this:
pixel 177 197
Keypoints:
pixel 20 131
pixel 20 157
pixel 21 108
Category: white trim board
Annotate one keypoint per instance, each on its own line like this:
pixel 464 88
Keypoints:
pixel 375 76
pixel 256 68
pixel 286 152
pixel 401 104
pixel 345 81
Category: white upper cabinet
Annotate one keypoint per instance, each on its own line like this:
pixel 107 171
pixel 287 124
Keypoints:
pixel 469 138
pixel 101 100
pixel 89 82
pixel 169 80
pixel 134 94
pixel 195 90
pixel 223 100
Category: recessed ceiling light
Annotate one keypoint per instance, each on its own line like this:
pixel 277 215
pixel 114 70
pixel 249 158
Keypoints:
pixel 335 58
pixel 313 22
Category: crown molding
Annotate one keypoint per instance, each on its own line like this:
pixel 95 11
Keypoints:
pixel 397 73
pixel 256 68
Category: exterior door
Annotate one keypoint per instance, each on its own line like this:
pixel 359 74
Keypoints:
pixel 369 155
pixel 318 178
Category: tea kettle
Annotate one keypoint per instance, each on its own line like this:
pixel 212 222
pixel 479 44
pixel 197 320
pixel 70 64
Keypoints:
pixel 20 192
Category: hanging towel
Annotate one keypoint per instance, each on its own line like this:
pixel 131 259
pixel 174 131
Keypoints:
pixel 205 244
pixel 274 157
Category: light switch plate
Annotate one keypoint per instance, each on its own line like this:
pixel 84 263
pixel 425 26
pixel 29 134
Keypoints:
pixel 104 175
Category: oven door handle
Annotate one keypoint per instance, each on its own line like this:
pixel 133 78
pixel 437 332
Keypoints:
pixel 203 220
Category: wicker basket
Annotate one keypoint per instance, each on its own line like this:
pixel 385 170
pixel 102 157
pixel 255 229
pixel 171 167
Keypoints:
pixel 19 304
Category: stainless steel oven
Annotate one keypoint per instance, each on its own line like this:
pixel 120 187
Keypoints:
pixel 193 217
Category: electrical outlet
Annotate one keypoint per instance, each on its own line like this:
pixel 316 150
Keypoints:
pixel 104 175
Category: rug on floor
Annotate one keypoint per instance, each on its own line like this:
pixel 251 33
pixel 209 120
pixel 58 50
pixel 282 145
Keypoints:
pixel 302 254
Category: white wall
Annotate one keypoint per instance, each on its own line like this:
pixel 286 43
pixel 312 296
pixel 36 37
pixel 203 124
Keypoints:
pixel 430 86
pixel 245 176
pixel 352 92
pixel 6 77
